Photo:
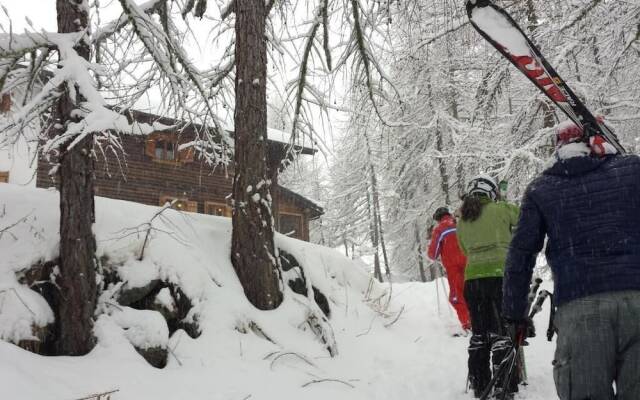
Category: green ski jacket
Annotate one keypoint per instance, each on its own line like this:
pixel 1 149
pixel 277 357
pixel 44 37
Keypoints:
pixel 485 241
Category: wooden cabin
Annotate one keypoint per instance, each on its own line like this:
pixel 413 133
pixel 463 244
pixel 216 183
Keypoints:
pixel 154 171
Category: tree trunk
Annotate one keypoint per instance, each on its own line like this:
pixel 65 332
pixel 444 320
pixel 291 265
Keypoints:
pixel 532 18
pixel 252 248
pixel 377 221
pixel 346 245
pixel 77 279
pixel 373 232
pixel 549 118
pixel 387 268
pixel 377 213
pixel 423 275
pixel 442 166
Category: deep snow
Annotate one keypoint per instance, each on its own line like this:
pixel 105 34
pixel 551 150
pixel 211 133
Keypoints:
pixel 414 358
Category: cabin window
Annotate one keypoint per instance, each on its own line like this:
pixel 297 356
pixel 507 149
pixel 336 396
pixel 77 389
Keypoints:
pixel 181 204
pixel 219 209
pixel 164 147
pixel 4 176
pixel 291 225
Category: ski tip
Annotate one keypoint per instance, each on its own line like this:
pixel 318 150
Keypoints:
pixel 477 3
pixel 471 4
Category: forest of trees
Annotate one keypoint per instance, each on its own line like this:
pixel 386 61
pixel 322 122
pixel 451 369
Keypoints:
pixel 444 106
pixel 424 104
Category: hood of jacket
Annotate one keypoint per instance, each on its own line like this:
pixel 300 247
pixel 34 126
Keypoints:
pixel 576 166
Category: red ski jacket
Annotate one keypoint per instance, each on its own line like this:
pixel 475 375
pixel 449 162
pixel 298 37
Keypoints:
pixel 444 244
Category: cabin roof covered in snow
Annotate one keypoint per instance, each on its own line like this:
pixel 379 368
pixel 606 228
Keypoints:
pixel 275 136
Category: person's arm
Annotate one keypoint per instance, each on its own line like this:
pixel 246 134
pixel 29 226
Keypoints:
pixel 526 243
pixel 513 213
pixel 433 250
pixel 461 242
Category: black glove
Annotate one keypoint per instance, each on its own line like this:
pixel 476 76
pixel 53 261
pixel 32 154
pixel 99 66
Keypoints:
pixel 519 330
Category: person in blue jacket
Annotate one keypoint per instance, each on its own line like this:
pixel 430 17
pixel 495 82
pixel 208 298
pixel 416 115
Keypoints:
pixel 588 206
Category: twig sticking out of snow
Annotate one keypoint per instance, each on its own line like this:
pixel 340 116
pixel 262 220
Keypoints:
pixel 370 326
pixel 117 306
pixel 328 380
pixel 395 319
pixel 385 315
pixel 8 227
pixel 289 353
pixel 100 396
pixel 150 226
pixel 174 355
pixel 320 326
pixel 369 289
pixel 243 328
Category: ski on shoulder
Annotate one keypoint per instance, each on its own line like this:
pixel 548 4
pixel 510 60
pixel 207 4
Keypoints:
pixel 498 28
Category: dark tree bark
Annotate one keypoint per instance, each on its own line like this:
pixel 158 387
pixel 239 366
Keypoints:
pixel 377 220
pixel 346 245
pixel 77 281
pixel 423 276
pixel 373 233
pixel 252 248
pixel 376 210
pixel 532 18
pixel 442 167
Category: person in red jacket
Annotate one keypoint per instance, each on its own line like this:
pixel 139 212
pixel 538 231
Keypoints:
pixel 444 244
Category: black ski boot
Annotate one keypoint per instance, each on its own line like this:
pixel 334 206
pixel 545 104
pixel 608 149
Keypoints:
pixel 498 394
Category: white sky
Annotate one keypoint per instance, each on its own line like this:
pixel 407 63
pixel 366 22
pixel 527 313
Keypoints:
pixel 41 12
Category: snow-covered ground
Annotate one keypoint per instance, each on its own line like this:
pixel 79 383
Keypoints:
pixel 381 354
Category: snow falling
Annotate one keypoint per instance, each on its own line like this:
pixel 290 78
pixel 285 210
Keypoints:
pixel 378 114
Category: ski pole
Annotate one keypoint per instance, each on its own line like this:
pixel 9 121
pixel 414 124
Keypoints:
pixel 466 384
pixel 537 306
pixel 551 329
pixel 435 271
pixel 444 287
pixel 533 290
pixel 501 371
pixel 510 359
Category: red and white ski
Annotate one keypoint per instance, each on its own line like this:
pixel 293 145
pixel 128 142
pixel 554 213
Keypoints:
pixel 499 29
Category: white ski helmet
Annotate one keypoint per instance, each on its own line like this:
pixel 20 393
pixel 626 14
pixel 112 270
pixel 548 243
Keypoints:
pixel 483 185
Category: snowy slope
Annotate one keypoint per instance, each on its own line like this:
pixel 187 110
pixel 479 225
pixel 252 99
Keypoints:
pixel 379 357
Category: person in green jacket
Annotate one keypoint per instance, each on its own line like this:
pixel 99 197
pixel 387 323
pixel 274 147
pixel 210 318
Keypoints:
pixel 484 233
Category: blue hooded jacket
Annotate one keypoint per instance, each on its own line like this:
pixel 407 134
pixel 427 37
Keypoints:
pixel 589 208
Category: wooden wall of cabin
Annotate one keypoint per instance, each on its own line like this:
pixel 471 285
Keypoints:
pixel 141 178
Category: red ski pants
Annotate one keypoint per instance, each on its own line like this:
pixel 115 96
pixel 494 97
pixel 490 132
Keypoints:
pixel 455 276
